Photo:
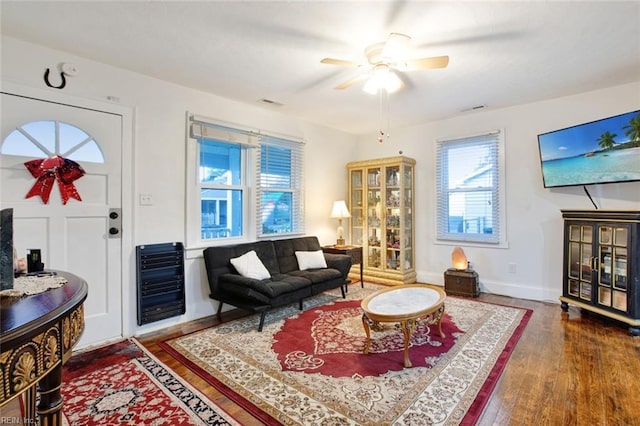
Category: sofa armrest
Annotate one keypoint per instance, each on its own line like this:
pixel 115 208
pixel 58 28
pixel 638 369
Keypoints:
pixel 341 262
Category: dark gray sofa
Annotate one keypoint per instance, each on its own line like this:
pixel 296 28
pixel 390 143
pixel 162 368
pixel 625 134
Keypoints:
pixel 287 284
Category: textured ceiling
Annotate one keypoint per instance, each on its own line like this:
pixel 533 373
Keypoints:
pixel 501 53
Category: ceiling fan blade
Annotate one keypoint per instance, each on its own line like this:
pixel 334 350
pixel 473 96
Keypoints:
pixel 341 62
pixel 351 82
pixel 426 63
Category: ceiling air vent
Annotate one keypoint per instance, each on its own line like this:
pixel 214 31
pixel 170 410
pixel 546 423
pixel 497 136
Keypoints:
pixel 474 108
pixel 270 102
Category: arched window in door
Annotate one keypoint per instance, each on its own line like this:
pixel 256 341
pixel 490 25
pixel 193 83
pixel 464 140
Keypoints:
pixel 44 139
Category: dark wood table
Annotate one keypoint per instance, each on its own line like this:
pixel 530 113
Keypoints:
pixel 354 251
pixel 37 334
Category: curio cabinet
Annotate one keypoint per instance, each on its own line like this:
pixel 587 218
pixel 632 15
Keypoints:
pixel 381 194
pixel 602 264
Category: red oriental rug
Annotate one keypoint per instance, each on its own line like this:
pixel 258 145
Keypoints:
pixel 329 340
pixel 307 368
pixel 123 384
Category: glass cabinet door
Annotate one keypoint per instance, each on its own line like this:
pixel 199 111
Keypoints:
pixel 374 219
pixel 580 260
pixel 620 268
pixel 612 267
pixel 392 218
pixel 356 207
pixel 407 216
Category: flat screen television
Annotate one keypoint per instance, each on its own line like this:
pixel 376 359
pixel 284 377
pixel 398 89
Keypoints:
pixel 602 151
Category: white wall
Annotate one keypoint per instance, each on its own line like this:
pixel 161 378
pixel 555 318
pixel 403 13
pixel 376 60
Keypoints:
pixel 158 156
pixel 534 221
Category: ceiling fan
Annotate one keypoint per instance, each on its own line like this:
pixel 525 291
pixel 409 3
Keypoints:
pixel 384 59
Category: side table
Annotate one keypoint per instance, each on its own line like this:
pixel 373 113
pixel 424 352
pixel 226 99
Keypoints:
pixel 37 335
pixel 354 251
pixel 461 282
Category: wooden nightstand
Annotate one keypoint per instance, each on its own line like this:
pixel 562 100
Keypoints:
pixel 354 251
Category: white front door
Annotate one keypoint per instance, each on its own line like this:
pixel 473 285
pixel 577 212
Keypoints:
pixel 75 236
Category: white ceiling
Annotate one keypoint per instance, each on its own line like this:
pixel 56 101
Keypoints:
pixel 501 53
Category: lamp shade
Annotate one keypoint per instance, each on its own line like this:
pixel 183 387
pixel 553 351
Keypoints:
pixel 340 210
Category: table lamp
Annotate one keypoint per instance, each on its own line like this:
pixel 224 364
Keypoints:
pixel 340 211
pixel 459 259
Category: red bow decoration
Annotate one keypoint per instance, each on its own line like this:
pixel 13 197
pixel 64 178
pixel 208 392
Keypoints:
pixel 48 170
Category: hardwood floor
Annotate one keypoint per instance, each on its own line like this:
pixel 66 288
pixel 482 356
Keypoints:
pixel 573 368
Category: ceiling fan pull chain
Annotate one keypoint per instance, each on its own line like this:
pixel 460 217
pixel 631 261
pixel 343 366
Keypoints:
pixel 388 114
pixel 380 119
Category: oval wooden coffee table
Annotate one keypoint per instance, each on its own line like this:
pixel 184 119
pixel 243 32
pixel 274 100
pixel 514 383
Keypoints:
pixel 406 305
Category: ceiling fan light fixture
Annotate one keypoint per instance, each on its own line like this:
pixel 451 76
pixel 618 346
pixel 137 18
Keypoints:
pixel 382 79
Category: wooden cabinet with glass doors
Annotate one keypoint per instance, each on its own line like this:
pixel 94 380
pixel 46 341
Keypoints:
pixel 602 264
pixel 381 205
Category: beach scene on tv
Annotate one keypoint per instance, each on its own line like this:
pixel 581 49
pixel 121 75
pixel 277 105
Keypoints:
pixel 602 151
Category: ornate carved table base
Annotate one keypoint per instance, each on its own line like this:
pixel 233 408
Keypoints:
pixel 37 337
pixel 408 306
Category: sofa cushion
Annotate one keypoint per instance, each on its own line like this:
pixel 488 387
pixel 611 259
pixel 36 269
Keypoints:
pixel 274 287
pixel 318 275
pixel 250 266
pixel 311 260
pixel 285 251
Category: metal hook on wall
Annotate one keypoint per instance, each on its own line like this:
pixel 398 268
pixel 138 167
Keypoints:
pixel 46 80
pixel 66 68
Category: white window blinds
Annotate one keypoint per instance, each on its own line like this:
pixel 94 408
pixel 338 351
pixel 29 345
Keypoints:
pixel 279 189
pixel 469 179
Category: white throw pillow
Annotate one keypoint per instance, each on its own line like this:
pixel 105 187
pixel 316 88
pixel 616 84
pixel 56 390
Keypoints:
pixel 249 265
pixel 311 259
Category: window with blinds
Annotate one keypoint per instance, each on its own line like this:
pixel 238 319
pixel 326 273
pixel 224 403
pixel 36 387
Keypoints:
pixel 470 183
pixel 233 166
pixel 279 187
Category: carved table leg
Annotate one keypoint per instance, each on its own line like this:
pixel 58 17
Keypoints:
pixel 29 398
pixel 407 329
pixel 365 324
pixel 49 408
pixel 438 315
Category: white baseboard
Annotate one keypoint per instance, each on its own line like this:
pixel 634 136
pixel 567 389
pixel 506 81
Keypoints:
pixel 520 291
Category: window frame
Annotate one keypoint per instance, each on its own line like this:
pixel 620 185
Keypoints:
pixel 26 130
pixel 498 238
pixel 242 186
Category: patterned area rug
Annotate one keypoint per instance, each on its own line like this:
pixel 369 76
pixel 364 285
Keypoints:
pixel 124 384
pixel 290 382
pixel 329 340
